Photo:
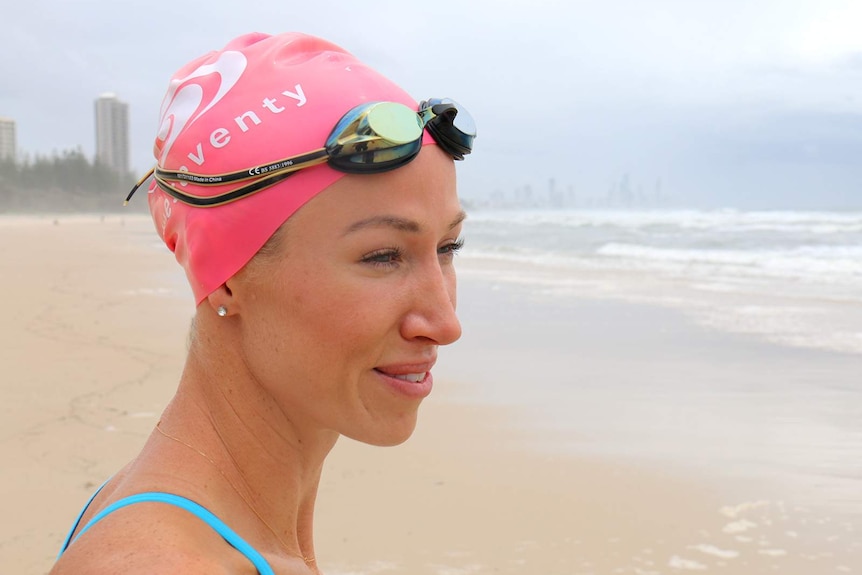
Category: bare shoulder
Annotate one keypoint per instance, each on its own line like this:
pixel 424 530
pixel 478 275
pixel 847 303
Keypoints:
pixel 151 539
pixel 139 562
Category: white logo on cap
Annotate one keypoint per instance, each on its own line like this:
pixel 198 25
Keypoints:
pixel 182 104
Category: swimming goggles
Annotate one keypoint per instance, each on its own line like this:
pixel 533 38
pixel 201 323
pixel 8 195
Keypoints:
pixel 371 138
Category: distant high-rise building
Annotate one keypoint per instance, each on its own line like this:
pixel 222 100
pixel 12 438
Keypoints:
pixel 112 132
pixel 7 139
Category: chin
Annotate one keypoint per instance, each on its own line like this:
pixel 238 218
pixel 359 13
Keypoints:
pixel 389 434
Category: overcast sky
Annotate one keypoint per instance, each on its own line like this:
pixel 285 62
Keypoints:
pixel 729 103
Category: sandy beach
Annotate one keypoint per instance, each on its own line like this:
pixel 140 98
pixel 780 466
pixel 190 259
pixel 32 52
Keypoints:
pixel 93 340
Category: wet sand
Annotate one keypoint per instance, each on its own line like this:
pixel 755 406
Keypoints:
pixel 92 345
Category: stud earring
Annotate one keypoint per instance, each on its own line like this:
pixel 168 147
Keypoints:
pixel 221 311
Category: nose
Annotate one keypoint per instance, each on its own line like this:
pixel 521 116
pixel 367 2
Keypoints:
pixel 432 314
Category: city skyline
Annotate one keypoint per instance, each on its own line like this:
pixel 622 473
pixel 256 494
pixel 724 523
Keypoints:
pixel 111 125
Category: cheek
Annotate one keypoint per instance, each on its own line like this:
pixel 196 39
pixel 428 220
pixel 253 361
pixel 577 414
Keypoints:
pixel 334 316
pixel 311 312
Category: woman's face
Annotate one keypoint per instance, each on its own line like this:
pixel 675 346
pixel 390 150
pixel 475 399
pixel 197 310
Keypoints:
pixel 341 326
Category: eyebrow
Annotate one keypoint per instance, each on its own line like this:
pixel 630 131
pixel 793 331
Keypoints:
pixel 400 224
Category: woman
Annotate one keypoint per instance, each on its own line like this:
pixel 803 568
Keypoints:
pixel 312 204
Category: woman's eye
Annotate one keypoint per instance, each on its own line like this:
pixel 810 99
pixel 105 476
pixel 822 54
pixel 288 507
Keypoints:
pixel 451 248
pixel 387 257
pixel 392 257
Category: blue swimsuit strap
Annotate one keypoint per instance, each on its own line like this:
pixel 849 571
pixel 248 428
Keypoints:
pixel 195 509
pixel 68 540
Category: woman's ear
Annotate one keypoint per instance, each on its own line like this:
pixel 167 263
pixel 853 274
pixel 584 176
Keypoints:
pixel 222 302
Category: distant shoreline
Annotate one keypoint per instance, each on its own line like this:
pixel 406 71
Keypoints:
pixel 30 202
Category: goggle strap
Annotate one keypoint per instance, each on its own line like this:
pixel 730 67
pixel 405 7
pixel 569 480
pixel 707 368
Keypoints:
pixel 232 196
pixel 290 164
pixel 138 185
pixel 282 167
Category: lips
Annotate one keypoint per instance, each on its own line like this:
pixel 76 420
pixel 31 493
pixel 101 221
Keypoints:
pixel 412 377
pixel 413 381
pixel 416 377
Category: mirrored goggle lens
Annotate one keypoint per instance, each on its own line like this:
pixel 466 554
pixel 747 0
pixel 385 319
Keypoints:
pixel 452 126
pixel 395 123
pixel 378 136
pixel 463 121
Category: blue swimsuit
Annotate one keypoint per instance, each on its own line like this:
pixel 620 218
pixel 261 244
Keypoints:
pixel 199 511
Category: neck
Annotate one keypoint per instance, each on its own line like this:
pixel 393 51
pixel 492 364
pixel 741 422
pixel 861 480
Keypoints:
pixel 271 461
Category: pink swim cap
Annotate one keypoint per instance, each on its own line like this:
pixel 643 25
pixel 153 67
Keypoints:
pixel 260 99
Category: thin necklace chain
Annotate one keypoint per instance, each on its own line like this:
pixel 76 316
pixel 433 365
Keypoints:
pixel 308 560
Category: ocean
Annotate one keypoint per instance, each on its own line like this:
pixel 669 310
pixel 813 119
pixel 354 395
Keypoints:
pixel 791 277
pixel 723 342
